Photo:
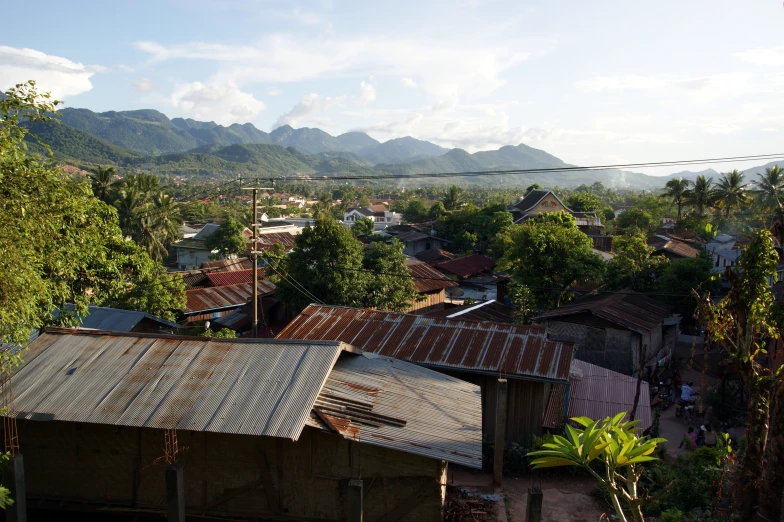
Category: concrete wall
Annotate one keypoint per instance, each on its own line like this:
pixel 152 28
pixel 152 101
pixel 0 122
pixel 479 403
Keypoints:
pixel 225 475
pixel 610 348
pixel 188 259
pixel 412 248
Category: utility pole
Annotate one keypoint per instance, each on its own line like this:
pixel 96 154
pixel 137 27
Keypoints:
pixel 254 255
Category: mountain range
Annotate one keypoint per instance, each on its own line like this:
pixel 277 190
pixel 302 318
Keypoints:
pixel 148 140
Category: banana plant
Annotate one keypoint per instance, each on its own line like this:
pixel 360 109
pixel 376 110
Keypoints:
pixel 617 445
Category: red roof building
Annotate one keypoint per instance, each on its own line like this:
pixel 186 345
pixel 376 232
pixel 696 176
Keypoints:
pixel 465 267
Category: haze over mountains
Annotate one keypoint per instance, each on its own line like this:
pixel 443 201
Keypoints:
pixel 148 140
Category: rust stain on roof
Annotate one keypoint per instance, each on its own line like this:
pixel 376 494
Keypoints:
pixel 223 297
pixel 521 351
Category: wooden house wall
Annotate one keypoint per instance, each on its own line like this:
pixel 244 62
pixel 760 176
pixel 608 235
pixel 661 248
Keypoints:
pixel 433 301
pixel 227 475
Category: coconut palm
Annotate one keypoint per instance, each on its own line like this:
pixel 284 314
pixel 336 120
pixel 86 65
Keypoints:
pixel 770 189
pixel 676 189
pixel 102 181
pixel 702 194
pixel 731 191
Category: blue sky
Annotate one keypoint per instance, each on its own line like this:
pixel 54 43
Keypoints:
pixel 591 82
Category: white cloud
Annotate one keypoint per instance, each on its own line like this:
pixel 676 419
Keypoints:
pixel 701 88
pixel 223 103
pixel 124 68
pixel 54 74
pixel 445 68
pixel 769 129
pixel 408 82
pixel 142 85
pixel 770 56
pixel 274 91
pixel 306 110
pixel 367 93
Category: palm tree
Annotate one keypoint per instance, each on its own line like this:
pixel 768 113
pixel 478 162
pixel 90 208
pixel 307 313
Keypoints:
pixel 676 189
pixel 702 195
pixel 454 199
pixel 731 191
pixel 102 181
pixel 770 189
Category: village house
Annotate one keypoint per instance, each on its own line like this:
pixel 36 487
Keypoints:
pixel 192 252
pixel 431 286
pixel 726 251
pixel 538 201
pixel 415 240
pixel 382 218
pixel 477 352
pixel 133 424
pixel 611 329
pixel 118 320
pixel 212 302
pixel 434 256
pixel 670 248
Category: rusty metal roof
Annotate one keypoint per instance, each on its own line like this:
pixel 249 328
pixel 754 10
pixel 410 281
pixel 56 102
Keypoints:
pixel 487 311
pixel 223 297
pixel 228 265
pixel 268 240
pixel 249 387
pixel 233 277
pixel 390 403
pixel 467 266
pixel 596 392
pixel 198 384
pixel 434 255
pixel 427 278
pixel 629 310
pixel 519 351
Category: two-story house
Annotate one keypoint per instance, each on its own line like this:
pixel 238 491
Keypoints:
pixel 538 201
pixel 382 218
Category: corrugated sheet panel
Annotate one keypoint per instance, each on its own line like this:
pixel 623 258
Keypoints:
pixel 434 255
pixel 222 297
pixel 519 351
pixel 427 278
pixel 228 265
pixel 488 311
pixel 367 397
pixel 598 393
pixel 467 266
pixel 222 386
pixel 116 320
pixel 631 310
pixel 234 277
pixel 268 240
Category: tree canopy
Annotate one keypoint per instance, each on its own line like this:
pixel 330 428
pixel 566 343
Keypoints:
pixel 228 239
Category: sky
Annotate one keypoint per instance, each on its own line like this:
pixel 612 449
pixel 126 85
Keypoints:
pixel 591 82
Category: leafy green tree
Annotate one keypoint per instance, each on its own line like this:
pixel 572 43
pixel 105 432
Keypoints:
pixel 464 242
pixel 633 266
pixel 228 239
pixel 364 227
pixel 363 201
pixel 583 202
pixel 158 224
pixel 389 285
pixel 549 254
pixel 325 265
pixel 455 197
pixel 731 192
pixel 102 181
pixel 702 195
pixel 415 212
pixel 617 446
pixel 436 211
pixel 523 303
pixel 742 322
pixel 770 192
pixel 532 186
pixel 636 221
pixel 676 190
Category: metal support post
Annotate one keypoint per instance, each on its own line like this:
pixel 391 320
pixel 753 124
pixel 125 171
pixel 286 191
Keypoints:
pixel 500 433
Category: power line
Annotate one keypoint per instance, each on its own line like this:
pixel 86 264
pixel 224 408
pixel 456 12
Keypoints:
pixel 372 177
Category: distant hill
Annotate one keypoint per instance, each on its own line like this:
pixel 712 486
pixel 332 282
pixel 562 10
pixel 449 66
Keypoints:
pixel 77 147
pixel 402 150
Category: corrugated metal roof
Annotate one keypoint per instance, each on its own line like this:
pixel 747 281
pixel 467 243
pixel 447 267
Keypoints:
pixel 598 393
pixel 190 243
pixel 206 231
pixel 199 384
pixel 228 265
pixel 427 278
pixel 269 240
pixel 115 319
pixel 367 397
pixel 434 255
pixel 532 199
pixel 520 351
pixel 630 310
pixel 492 311
pixel 222 297
pixel 467 266
pixel 233 277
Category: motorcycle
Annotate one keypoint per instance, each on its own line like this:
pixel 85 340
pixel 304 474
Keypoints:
pixel 681 406
pixel 663 396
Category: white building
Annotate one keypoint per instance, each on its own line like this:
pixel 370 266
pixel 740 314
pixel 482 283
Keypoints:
pixel 382 218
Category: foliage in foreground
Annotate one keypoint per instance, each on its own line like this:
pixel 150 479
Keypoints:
pixel 617 446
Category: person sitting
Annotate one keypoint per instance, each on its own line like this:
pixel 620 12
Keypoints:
pixel 708 436
pixel 689 440
pixel 687 393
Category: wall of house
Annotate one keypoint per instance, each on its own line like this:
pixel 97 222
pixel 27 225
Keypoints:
pixel 412 248
pixel 526 403
pixel 227 475
pixel 433 301
pixel 188 259
pixel 601 345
